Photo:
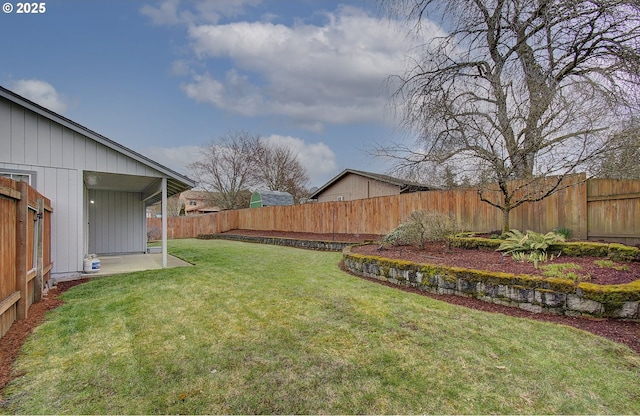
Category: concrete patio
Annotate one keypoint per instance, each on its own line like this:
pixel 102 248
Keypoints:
pixel 126 263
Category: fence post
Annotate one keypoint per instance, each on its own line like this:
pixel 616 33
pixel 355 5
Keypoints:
pixel 40 252
pixel 22 229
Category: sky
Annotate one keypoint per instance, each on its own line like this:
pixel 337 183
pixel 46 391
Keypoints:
pixel 165 77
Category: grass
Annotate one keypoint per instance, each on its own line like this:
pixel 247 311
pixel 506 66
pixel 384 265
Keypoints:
pixel 255 329
pixel 609 264
pixel 565 271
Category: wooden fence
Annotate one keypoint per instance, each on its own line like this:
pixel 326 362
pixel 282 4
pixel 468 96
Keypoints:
pixel 597 209
pixel 25 249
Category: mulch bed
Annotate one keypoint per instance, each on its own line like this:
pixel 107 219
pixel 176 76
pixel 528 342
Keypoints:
pixel 16 336
pixel 626 332
pixel 494 261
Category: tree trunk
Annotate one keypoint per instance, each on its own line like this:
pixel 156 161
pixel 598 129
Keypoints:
pixel 505 219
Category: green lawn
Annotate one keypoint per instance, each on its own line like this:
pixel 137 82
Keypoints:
pixel 267 329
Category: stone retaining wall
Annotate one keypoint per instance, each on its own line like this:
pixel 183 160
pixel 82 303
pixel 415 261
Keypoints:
pixel 531 293
pixel 289 242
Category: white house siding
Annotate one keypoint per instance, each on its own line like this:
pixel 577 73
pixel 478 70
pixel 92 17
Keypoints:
pixel 64 188
pixel 59 155
pixel 116 222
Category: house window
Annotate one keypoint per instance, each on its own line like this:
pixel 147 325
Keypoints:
pixel 193 203
pixel 340 198
pixel 20 176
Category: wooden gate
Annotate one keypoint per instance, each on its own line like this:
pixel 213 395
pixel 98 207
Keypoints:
pixel 25 249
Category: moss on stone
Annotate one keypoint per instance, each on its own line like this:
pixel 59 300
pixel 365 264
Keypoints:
pixel 612 297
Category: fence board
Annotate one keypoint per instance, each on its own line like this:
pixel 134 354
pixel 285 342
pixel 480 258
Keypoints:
pixel 22 275
pixel 614 210
pixel 593 209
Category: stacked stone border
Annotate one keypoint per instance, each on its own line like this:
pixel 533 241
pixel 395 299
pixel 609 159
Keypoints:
pixel 289 242
pixel 531 293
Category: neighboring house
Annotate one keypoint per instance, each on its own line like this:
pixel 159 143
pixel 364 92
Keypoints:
pixel 353 184
pixel 270 199
pixel 98 188
pixel 197 202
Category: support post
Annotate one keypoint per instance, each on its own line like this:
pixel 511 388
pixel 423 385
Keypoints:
pixel 22 229
pixel 38 287
pixel 164 222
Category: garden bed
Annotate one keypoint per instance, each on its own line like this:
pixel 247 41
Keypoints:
pixel 566 285
pixel 590 269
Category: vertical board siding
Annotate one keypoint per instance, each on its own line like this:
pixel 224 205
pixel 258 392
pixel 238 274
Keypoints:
pixel 12 294
pixel 5 127
pixel 577 207
pixel 59 155
pixel 116 221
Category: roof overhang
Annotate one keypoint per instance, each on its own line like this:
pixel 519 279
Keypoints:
pixel 176 182
pixel 150 188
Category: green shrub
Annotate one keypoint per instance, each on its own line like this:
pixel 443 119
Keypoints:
pixel 402 235
pixel 531 246
pixel 534 257
pixel 563 231
pixel 516 241
pixel 421 227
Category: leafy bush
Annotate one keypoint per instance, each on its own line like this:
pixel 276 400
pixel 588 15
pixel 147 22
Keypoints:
pixel 421 227
pixel 534 257
pixel 516 241
pixel 563 231
pixel 402 235
pixel 531 246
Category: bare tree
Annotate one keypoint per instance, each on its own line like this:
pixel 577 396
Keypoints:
pixel 621 159
pixel 227 167
pixel 517 89
pixel 280 170
pixel 175 207
pixel 233 164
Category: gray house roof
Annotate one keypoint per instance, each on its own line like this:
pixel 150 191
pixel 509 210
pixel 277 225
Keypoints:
pixel 176 182
pixel 405 186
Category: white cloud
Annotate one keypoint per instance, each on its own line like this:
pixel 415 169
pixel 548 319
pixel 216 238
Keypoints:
pixel 205 89
pixel 314 74
pixel 317 158
pixel 173 12
pixel 164 14
pixel 40 92
pixel 176 158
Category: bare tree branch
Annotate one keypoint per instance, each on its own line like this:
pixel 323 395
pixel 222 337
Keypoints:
pixel 526 88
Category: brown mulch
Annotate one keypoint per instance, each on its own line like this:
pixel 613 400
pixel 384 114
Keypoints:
pixel 626 332
pixel 11 342
pixel 494 261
